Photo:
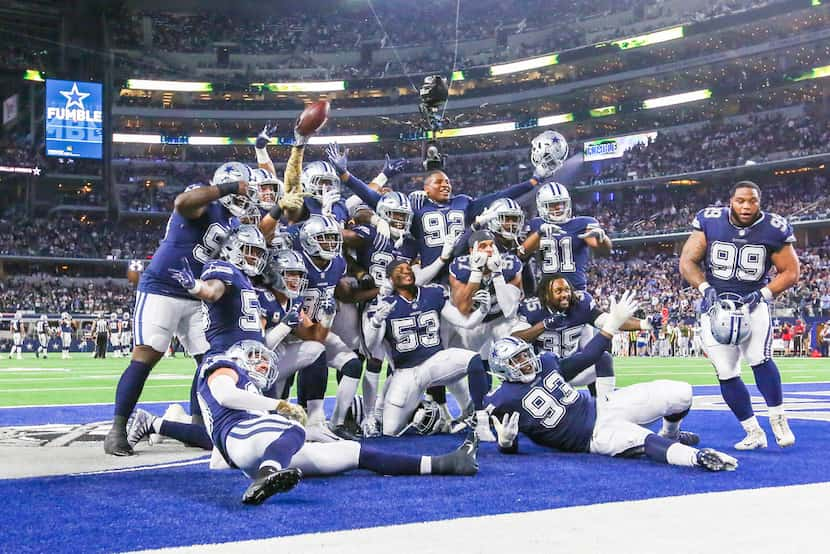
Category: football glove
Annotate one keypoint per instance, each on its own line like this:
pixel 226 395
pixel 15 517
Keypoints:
pixel 710 298
pixel 291 411
pixel 482 301
pixel 494 262
pixel 393 167
pixel 265 135
pixel 619 312
pixel 751 300
pixel 292 316
pixel 507 429
pixel 184 276
pixel 340 160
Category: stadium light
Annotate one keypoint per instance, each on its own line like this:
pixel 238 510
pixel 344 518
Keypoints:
pixel 674 99
pixel 33 75
pixel 176 86
pixel 604 111
pixel 815 73
pixel 555 119
pixel 308 86
pixel 477 130
pixel 126 138
pixel 524 65
pixel 345 139
pixel 209 141
pixel 648 39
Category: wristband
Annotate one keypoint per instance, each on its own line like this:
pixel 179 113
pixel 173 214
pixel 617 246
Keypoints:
pixel 275 212
pixel 521 250
pixel 475 276
pixel 381 179
pixel 262 156
pixel 196 288
pixel 228 188
pixel 766 293
pixel 703 286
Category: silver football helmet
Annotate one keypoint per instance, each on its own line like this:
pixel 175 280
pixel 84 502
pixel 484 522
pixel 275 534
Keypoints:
pixel 394 208
pixel 281 241
pixel 729 321
pixel 319 177
pixel 18 314
pixel 509 220
pixel 239 205
pixel 286 273
pixel 246 249
pixel 65 316
pixel 270 187
pixel 113 316
pixel 258 362
pixel 320 236
pixel 548 151
pixel 553 202
pixel 512 359
pixel 44 317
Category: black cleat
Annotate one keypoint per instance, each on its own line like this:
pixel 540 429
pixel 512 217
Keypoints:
pixel 269 482
pixel 462 461
pixel 343 432
pixel 688 438
pixel 116 443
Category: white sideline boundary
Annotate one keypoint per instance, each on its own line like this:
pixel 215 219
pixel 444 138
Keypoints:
pixel 771 520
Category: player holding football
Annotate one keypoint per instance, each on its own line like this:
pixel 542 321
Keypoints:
pixel 738 245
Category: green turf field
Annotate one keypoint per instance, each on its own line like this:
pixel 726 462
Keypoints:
pixel 85 380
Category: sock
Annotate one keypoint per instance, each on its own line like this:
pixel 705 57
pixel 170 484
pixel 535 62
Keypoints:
pixel 346 390
pixel 129 387
pixel 460 389
pixel 188 433
pixel 371 382
pixel 656 447
pixel 312 381
pixel 426 465
pixel 194 400
pixel 283 449
pixel 681 455
pixel 477 381
pixel 315 411
pixel 768 381
pixel 736 396
pixel 387 463
pixel 286 390
pixel 438 394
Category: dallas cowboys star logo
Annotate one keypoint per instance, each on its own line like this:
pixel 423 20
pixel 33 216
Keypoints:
pixel 74 97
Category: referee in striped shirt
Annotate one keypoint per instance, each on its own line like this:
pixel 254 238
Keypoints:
pixel 101 337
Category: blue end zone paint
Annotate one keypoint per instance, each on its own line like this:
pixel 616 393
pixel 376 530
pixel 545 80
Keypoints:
pixel 193 505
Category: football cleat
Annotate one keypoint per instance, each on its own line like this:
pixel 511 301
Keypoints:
pixel 370 427
pixel 684 437
pixel 116 443
pixel 270 481
pixel 320 432
pixel 342 432
pixel 781 429
pixel 139 426
pixel 756 438
pixel 716 461
pixel 460 462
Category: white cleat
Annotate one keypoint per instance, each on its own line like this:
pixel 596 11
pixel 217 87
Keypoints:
pixel 139 426
pixel 320 432
pixel 713 460
pixel 754 439
pixel 781 429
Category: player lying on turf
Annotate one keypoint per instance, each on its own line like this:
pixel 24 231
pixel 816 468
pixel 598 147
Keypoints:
pixel 265 438
pixel 536 399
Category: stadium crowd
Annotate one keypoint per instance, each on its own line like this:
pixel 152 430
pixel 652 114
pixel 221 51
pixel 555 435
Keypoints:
pixel 43 293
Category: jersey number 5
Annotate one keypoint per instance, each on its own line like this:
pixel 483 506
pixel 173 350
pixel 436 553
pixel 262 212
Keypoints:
pixel 548 402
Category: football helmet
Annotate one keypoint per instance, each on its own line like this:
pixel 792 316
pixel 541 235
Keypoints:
pixel 281 241
pixel 548 151
pixel 509 220
pixel 239 205
pixel 553 202
pixel 43 317
pixel 286 273
pixel 258 362
pixel 319 177
pixel 269 187
pixel 18 314
pixel 65 316
pixel 246 249
pixel 729 321
pixel 425 419
pixel 320 236
pixel 113 316
pixel 512 359
pixel 394 208
pixel 125 315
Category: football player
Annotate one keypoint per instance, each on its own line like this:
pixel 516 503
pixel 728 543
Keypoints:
pixel 18 329
pixel 196 229
pixel 554 322
pixel 67 327
pixel 43 332
pixel 115 334
pixel 409 321
pixel 126 333
pixel 536 399
pixel 738 245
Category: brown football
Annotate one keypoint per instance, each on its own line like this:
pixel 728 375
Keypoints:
pixel 313 118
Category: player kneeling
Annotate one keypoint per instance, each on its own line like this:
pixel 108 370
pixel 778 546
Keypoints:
pixel 536 399
pixel 265 438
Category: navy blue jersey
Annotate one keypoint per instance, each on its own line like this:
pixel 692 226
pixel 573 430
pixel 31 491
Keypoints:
pixel 42 327
pixel 565 253
pixel 339 211
pixel 220 420
pixel 377 251
pixel 431 222
pixel 113 326
pixel 270 308
pixel 413 328
pixel 738 259
pixel 66 326
pixel 198 240
pixel 125 325
pixel 551 412
pixel 17 326
pixel 564 340
pixel 235 316
pixel 511 266
pixel 321 283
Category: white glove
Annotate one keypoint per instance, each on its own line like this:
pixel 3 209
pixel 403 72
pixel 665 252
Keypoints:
pixel 385 289
pixel 482 300
pixel 330 198
pixel 619 312
pixel 381 225
pixel 494 261
pixel 507 429
pixel 382 312
pixel 478 259
pixel 487 215
pixel 550 229
pixel 449 245
pixel 594 231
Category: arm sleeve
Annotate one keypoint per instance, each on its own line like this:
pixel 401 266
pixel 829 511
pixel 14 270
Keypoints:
pixel 453 316
pixel 361 189
pixel 478 205
pixel 508 297
pixel 425 275
pixel 571 366
pixel 373 335
pixel 275 335
pixel 293 169
pixel 225 391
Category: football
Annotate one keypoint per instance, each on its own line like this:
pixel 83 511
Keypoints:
pixel 313 118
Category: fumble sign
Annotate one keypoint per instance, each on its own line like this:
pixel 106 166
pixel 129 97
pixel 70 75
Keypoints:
pixel 74 119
